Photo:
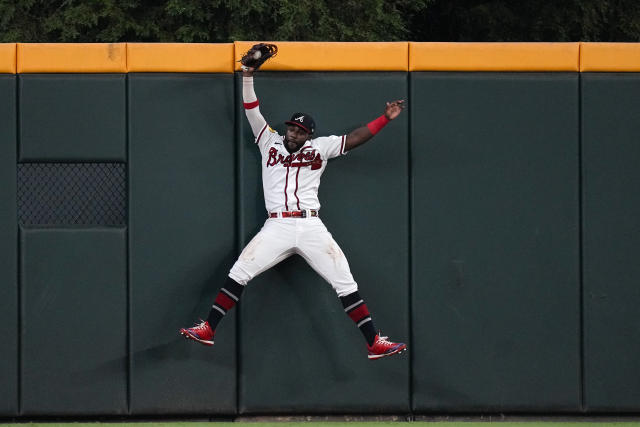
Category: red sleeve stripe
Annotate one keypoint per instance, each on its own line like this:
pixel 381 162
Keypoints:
pixel 260 134
pixel 342 145
pixel 250 105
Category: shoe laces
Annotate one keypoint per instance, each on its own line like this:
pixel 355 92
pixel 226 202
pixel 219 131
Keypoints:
pixel 202 326
pixel 384 341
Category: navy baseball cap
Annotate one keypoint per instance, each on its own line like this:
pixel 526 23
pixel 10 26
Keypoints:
pixel 304 121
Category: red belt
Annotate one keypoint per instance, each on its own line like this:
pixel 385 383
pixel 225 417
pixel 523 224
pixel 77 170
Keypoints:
pixel 293 214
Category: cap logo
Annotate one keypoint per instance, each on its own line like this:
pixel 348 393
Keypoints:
pixel 301 119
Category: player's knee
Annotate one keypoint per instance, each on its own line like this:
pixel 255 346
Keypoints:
pixel 239 276
pixel 344 290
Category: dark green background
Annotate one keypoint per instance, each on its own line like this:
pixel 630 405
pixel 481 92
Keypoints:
pixel 611 227
pixel 496 308
pixel 182 240
pixel 72 117
pixel 74 321
pixel 8 249
pixel 483 226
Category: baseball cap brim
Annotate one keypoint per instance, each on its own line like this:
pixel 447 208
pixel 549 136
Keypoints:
pixel 289 122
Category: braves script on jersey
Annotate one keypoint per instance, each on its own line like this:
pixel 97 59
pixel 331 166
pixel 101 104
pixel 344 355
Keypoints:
pixel 291 180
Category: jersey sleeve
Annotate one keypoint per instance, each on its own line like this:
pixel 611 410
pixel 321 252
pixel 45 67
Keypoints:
pixel 261 130
pixel 255 119
pixel 332 146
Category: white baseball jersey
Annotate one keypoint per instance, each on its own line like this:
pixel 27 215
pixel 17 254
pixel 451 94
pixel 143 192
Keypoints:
pixel 291 180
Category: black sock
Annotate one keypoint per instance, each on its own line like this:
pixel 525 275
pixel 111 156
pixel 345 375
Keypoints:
pixel 357 310
pixel 228 296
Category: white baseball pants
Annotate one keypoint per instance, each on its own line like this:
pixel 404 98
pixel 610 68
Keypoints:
pixel 280 238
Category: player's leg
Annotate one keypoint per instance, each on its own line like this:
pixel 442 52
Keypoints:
pixel 320 250
pixel 271 245
pixel 204 331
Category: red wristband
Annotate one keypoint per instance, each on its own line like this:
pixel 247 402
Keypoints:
pixel 377 124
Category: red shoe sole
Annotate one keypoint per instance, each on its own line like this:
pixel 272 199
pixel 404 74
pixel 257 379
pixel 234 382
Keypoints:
pixel 190 336
pixel 380 356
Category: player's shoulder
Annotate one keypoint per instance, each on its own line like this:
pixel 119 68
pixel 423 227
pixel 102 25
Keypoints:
pixel 273 137
pixel 270 133
pixel 326 139
pixel 332 145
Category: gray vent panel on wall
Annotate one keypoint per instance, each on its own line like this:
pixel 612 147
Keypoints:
pixel 72 194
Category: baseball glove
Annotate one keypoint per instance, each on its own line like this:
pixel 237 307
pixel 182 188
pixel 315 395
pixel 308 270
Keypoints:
pixel 258 55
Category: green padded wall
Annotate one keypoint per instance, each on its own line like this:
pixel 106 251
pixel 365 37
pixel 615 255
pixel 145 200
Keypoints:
pixel 611 236
pixel 72 117
pixel 300 351
pixel 495 242
pixel 74 321
pixel 182 239
pixel 8 249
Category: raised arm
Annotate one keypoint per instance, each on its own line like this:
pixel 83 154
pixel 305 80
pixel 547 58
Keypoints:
pixel 362 134
pixel 251 108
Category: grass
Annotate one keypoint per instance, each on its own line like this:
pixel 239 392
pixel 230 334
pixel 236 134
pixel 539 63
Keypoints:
pixel 336 424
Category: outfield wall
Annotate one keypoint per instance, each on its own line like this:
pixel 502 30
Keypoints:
pixel 493 226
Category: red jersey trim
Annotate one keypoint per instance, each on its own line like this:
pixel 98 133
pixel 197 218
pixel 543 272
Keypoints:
pixel 261 132
pixel 295 193
pixel 251 105
pixel 286 183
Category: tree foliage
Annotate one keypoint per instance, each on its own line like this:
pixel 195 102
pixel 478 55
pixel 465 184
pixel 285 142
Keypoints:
pixel 327 20
pixel 532 20
pixel 205 20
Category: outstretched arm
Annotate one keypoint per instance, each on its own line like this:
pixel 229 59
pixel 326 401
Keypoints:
pixel 362 134
pixel 250 100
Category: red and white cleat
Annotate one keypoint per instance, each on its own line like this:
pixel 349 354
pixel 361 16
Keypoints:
pixel 201 332
pixel 382 347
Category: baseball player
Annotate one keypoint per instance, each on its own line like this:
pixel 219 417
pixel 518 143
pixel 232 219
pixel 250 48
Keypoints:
pixel 291 169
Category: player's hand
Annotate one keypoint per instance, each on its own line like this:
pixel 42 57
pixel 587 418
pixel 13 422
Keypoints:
pixel 247 71
pixel 393 109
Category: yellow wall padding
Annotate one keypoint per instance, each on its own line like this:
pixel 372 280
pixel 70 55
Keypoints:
pixel 333 56
pixel 494 56
pixel 8 58
pixel 610 57
pixel 180 57
pixel 72 58
pixel 319 56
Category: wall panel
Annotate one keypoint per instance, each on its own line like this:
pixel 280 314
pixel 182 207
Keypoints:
pixel 8 249
pixel 495 242
pixel 74 321
pixel 72 117
pixel 182 240
pixel 289 315
pixel 611 227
